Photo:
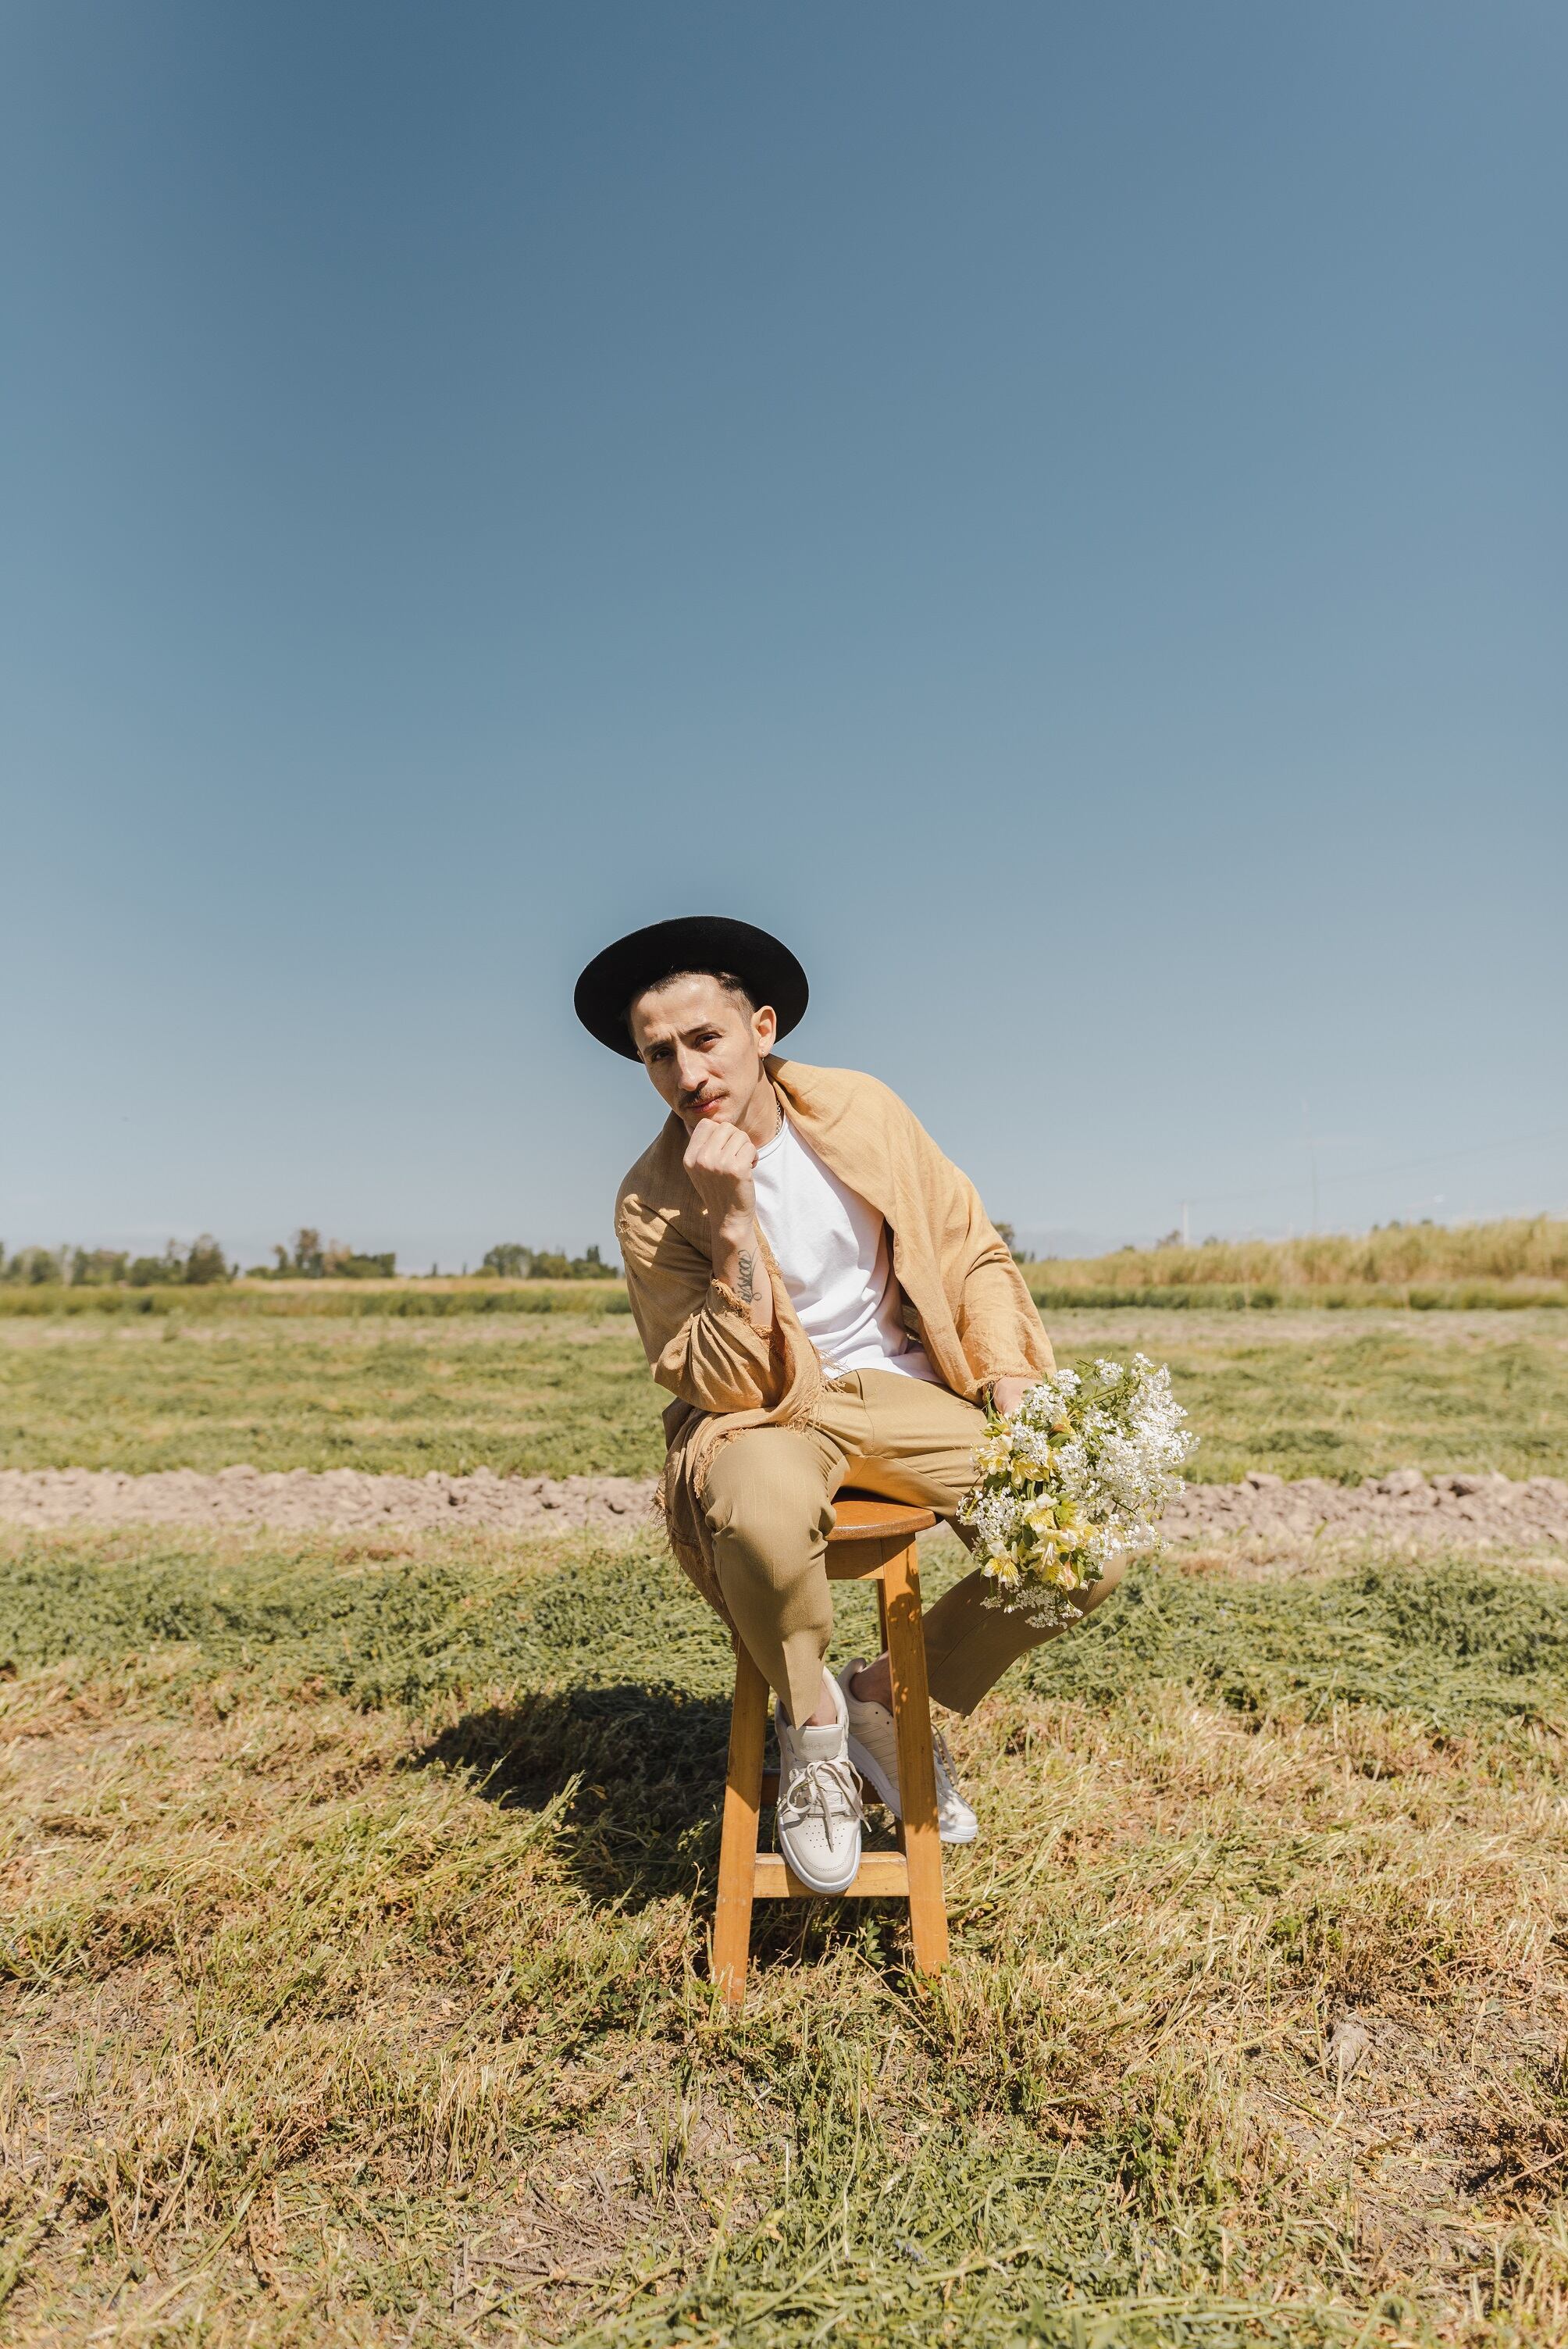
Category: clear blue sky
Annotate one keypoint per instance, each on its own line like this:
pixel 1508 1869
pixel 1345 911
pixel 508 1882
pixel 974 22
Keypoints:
pixel 1058 511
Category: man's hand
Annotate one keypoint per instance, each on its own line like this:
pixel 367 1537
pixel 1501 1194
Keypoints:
pixel 1006 1395
pixel 720 1159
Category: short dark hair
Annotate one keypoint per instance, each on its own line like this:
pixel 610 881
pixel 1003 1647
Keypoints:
pixel 726 979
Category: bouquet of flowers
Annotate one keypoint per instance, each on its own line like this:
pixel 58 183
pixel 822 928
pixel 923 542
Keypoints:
pixel 1078 1472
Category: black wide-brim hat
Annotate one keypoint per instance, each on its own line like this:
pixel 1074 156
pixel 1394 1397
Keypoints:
pixel 764 965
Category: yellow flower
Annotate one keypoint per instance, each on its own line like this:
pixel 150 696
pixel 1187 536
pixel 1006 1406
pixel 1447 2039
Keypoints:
pixel 1056 1537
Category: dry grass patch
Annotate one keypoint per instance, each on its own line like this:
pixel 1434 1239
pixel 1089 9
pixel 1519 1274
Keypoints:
pixel 353 1948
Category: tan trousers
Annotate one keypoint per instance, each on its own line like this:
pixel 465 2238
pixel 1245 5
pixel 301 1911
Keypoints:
pixel 769 1502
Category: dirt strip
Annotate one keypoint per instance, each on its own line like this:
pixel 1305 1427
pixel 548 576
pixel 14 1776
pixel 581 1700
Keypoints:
pixel 1458 1511
pixel 299 1500
pixel 1430 1512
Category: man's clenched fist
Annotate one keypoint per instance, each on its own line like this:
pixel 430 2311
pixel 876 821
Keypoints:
pixel 720 1159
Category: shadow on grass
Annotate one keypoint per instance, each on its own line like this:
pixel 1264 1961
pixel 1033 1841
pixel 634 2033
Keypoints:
pixel 646 1764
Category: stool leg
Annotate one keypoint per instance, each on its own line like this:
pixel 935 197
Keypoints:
pixel 737 1843
pixel 916 1769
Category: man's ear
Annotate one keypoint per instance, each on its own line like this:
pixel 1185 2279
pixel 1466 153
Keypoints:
pixel 765 1028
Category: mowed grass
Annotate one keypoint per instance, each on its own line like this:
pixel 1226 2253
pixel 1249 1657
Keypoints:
pixel 550 1397
pixel 1300 1394
pixel 353 1969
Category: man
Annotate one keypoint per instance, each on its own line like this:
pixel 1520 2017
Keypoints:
pixel 820 1291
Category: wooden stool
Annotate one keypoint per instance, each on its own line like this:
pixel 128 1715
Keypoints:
pixel 871 1540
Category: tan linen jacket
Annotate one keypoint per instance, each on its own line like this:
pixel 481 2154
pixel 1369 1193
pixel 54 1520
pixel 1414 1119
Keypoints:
pixel 963 1298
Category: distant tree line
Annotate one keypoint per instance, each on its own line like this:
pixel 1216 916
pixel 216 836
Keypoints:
pixel 512 1261
pixel 74 1267
pixel 304 1257
pixel 307 1257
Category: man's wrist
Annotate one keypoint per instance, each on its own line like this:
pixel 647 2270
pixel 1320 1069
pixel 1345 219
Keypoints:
pixel 737 1261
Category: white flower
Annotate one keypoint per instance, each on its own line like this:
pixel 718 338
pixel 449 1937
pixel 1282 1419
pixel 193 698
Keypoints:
pixel 1077 1475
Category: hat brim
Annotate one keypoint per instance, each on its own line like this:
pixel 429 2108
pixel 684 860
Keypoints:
pixel 764 965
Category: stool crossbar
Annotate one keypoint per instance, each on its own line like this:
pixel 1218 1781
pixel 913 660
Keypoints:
pixel 871 1540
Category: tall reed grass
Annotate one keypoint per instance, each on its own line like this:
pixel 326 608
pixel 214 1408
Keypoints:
pixel 1522 1260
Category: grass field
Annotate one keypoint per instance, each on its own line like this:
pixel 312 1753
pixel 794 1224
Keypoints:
pixel 354 1970
pixel 1520 1262
pixel 354 1899
pixel 295 1300
pixel 1299 1393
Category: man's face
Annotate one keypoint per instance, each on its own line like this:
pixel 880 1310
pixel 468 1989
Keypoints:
pixel 702 1046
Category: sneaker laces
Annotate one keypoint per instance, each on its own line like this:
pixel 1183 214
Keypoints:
pixel 810 1791
pixel 946 1768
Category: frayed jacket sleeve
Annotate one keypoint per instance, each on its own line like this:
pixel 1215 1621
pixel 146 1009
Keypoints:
pixel 695 1332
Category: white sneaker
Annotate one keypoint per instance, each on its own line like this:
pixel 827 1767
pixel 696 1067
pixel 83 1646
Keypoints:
pixel 820 1806
pixel 874 1750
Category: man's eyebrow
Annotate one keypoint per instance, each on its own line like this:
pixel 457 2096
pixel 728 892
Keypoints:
pixel 663 1043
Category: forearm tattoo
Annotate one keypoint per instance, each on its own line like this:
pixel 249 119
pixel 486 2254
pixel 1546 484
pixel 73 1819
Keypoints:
pixel 745 1287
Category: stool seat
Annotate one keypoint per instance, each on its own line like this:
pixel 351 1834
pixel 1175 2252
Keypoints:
pixel 860 1516
pixel 871 1539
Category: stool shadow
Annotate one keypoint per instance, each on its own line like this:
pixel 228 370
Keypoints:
pixel 649 1762
pixel 644 1820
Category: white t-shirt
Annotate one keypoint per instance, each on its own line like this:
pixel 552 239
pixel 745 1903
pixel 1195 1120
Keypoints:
pixel 832 1250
